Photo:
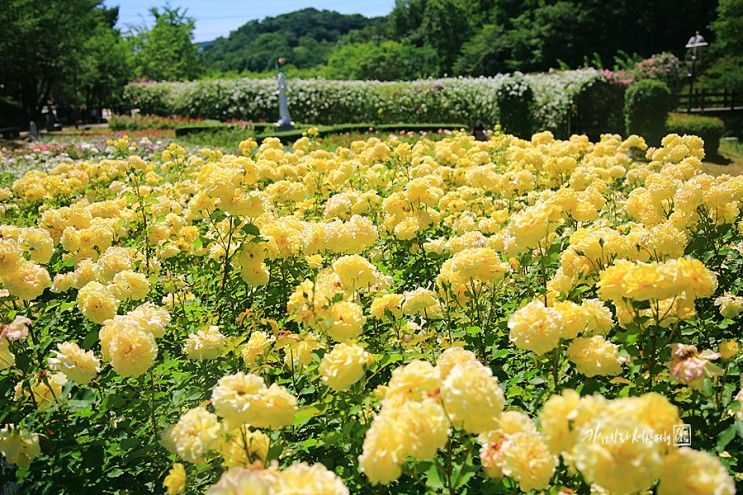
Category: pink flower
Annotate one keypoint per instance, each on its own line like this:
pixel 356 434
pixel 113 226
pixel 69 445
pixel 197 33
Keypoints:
pixel 15 330
pixel 690 367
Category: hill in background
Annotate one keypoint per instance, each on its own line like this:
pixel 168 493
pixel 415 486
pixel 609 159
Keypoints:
pixel 305 37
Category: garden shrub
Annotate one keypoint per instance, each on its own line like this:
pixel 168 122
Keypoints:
pixel 646 105
pixel 11 113
pixel 599 108
pixel 469 100
pixel 710 129
pixel 516 106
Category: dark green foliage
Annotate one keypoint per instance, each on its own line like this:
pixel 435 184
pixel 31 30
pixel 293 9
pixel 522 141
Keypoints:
pixel 598 109
pixel 468 37
pixel 505 35
pixel 11 113
pixel 55 49
pixel 646 105
pixel 726 72
pixel 386 61
pixel 710 129
pixel 166 52
pixel 483 54
pixel 516 107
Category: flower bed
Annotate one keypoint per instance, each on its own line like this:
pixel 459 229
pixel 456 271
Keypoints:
pixel 413 316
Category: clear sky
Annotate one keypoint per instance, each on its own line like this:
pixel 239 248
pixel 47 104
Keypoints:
pixel 216 18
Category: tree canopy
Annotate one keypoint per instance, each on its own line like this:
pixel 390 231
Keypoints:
pixel 167 51
pixel 57 49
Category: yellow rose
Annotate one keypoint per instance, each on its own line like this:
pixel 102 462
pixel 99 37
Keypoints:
pixel 207 343
pixel 196 433
pixel 594 356
pixel 472 397
pixel 355 272
pixel 343 366
pixel 347 321
pixel 76 364
pixel 535 327
pixel 235 396
pixel 130 350
pixel 309 480
pixel 689 472
pixel 96 302
pixel 19 446
pixel 257 346
pixel 526 458
pixel 729 349
pixel 242 447
pixel 175 481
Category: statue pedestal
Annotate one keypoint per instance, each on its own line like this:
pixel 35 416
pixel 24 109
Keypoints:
pixel 284 125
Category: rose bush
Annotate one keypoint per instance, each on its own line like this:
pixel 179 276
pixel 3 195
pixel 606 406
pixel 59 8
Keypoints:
pixel 429 316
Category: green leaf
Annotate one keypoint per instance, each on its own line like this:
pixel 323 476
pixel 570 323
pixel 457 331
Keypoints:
pixel 251 229
pixel 305 414
pixel 114 473
pixel 434 480
pixel 90 339
pixel 724 438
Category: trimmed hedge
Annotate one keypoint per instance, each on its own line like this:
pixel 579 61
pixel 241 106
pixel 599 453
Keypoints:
pixel 599 109
pixel 295 134
pixel 267 131
pixel 646 106
pixel 139 122
pixel 516 106
pixel 472 101
pixel 710 129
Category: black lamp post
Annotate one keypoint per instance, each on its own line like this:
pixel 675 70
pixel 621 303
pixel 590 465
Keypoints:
pixel 695 43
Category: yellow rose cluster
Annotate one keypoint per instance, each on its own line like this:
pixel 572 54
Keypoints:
pixel 244 398
pixel 625 445
pixel 304 478
pixel 421 403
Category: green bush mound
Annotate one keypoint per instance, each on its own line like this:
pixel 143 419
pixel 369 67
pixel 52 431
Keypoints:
pixel 710 129
pixel 599 109
pixel 516 106
pixel 646 105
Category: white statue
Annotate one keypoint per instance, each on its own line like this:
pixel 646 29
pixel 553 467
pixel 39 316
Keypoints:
pixel 285 120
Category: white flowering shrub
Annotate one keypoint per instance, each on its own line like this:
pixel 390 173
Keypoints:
pixel 459 100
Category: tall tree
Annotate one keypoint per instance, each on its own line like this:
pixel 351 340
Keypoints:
pixel 441 24
pixel 728 27
pixel 167 51
pixel 727 70
pixel 42 47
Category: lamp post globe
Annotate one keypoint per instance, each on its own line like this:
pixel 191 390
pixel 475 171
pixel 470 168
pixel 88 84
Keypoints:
pixel 696 42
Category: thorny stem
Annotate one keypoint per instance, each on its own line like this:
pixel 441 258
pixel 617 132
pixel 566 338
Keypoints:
pixel 543 267
pixel 140 202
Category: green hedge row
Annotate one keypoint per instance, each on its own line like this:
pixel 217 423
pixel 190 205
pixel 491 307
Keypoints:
pixel 562 102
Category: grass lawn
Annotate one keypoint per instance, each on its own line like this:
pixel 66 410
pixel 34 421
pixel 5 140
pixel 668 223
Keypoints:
pixel 730 162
